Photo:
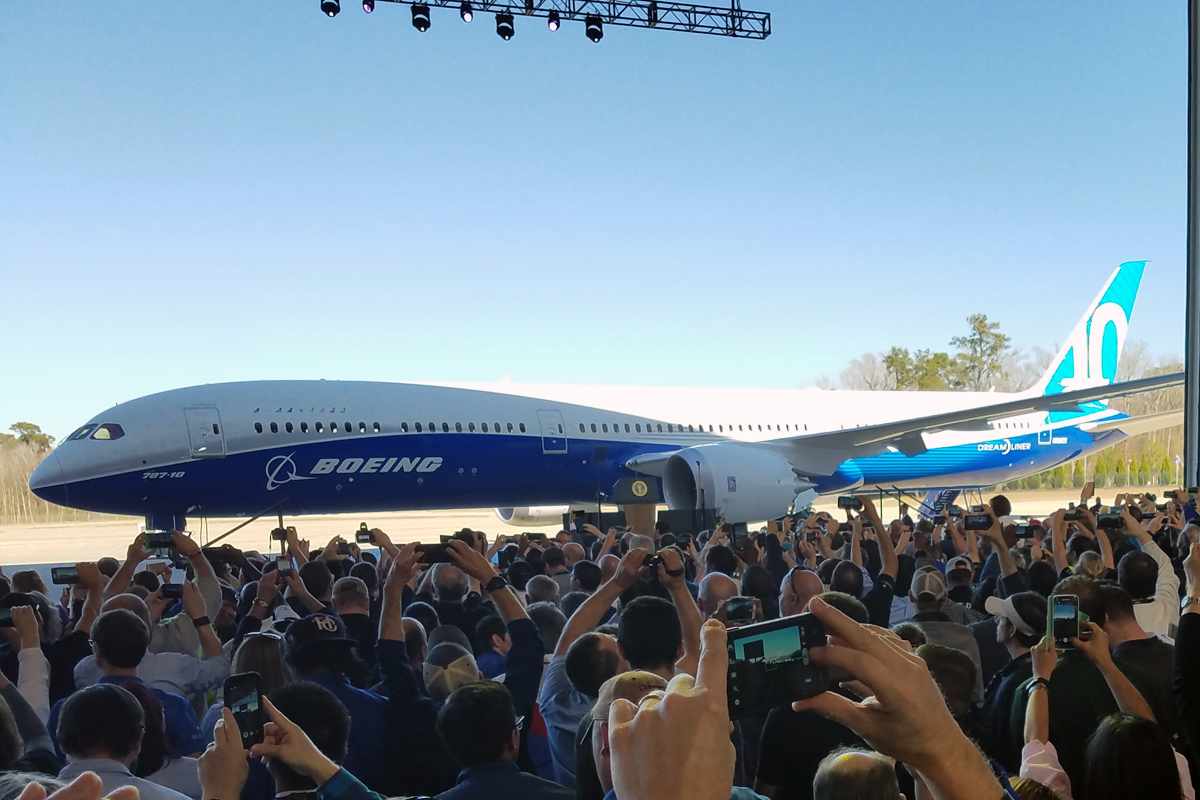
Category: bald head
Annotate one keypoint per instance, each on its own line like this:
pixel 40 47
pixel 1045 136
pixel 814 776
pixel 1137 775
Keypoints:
pixel 608 567
pixel 129 602
pixel 715 589
pixel 574 553
pixel 415 642
pixel 799 586
pixel 856 775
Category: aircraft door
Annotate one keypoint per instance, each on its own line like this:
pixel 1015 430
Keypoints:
pixel 554 438
pixel 206 437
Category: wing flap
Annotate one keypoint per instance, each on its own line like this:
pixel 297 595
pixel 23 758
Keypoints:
pixel 1133 426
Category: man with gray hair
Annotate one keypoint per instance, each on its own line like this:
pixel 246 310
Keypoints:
pixel 541 589
pixel 453 600
pixel 856 774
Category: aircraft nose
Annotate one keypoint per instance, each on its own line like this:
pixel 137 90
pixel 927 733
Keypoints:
pixel 46 481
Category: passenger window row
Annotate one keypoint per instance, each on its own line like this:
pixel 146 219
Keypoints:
pixel 670 427
pixel 416 427
pixel 317 427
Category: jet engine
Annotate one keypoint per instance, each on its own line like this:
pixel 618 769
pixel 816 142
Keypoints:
pixel 744 482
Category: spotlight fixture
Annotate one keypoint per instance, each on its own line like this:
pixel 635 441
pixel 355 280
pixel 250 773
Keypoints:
pixel 553 21
pixel 331 7
pixel 504 26
pixel 420 15
pixel 368 6
pixel 593 27
pixel 466 12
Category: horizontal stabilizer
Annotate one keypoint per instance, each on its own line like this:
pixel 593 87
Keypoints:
pixel 1137 425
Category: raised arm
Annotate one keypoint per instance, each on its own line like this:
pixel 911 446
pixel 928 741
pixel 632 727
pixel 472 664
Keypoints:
pixel 1008 566
pixel 33 675
pixel 195 607
pixel 1129 699
pixel 887 549
pixel 90 579
pixel 592 611
pixel 670 575
pixel 1058 534
pixel 475 566
pixel 1037 707
pixel 134 555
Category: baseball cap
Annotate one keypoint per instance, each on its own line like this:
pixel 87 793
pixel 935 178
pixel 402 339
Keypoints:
pixel 317 629
pixel 632 686
pixel 1025 610
pixel 928 585
pixel 449 633
pixel 959 562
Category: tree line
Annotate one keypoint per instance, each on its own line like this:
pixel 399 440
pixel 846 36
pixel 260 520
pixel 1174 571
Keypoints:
pixel 21 450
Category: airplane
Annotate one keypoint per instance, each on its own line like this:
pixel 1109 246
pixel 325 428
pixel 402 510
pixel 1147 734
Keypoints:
pixel 306 447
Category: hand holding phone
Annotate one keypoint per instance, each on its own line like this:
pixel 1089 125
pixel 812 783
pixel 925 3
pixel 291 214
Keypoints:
pixel 1064 620
pixel 243 696
pixel 433 554
pixel 770 664
pixel 64 576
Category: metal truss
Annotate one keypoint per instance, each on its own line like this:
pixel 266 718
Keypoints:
pixel 658 14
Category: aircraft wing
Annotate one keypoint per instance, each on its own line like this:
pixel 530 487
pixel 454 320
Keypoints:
pixel 820 453
pixel 1136 425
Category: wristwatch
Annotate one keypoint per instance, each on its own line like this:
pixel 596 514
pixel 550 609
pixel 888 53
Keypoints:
pixel 1188 603
pixel 495 584
pixel 200 622
pixel 1045 684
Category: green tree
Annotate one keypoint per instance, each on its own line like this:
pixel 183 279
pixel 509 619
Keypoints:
pixel 31 435
pixel 981 353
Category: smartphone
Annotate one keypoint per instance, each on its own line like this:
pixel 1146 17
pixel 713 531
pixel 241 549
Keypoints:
pixel 535 536
pixel 283 564
pixel 849 501
pixel 158 541
pixel 243 696
pixel 434 554
pixel 1064 619
pixel 939 519
pixel 1024 531
pixel 739 609
pixel 770 664
pixel 344 549
pixel 64 576
pixel 1110 522
pixel 172 591
pixel 364 537
pixel 682 540
pixel 977 522
pixel 6 620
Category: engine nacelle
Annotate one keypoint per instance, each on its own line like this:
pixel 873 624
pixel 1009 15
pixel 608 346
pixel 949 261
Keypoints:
pixel 537 516
pixel 744 482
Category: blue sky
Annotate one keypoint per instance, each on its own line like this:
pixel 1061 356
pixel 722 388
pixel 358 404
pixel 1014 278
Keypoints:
pixel 197 192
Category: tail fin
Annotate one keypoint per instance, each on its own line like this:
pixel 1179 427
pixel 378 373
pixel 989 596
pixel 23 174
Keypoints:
pixel 1090 355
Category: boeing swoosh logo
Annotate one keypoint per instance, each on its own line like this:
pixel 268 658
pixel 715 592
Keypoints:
pixel 282 470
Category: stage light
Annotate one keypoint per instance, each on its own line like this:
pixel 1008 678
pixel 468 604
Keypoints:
pixel 465 11
pixel 420 15
pixel 331 7
pixel 593 27
pixel 552 21
pixel 504 26
pixel 368 6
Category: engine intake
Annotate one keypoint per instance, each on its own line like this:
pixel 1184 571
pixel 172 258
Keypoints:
pixel 744 482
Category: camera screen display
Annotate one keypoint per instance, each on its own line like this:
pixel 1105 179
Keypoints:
pixel 242 697
pixel 770 664
pixel 1064 619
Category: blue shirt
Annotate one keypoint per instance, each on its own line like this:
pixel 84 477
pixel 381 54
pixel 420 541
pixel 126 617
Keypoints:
pixel 114 775
pixel 366 756
pixel 504 780
pixel 182 728
pixel 562 707
pixel 490 663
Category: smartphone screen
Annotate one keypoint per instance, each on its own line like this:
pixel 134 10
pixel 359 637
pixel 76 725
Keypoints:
pixel 284 565
pixel 243 696
pixel 364 537
pixel 977 522
pixel 770 664
pixel 64 576
pixel 1064 619
pixel 158 541
pixel 434 554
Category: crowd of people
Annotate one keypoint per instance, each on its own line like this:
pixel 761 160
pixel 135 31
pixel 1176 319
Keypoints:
pixel 593 665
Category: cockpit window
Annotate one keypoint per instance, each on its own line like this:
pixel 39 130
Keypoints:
pixel 108 431
pixel 82 433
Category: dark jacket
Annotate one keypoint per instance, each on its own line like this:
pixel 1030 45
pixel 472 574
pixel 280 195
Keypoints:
pixel 504 781
pixel 996 713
